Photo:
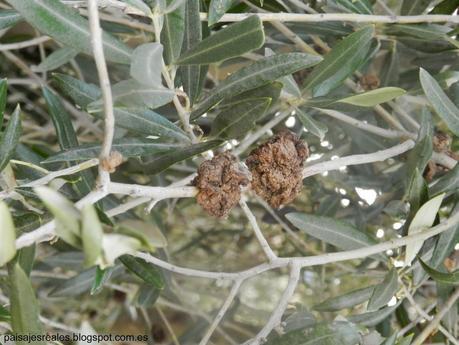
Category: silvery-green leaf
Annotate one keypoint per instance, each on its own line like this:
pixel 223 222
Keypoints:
pixel 66 214
pixel 441 277
pixel 56 59
pixel 234 40
pixel 7 234
pixel 372 318
pixel 116 245
pixel 147 64
pixel 347 300
pixel 10 138
pixel 217 8
pixel 289 83
pixel 146 121
pixel 91 235
pixel 9 18
pixel 148 234
pixel 173 30
pixel 315 127
pixel 67 26
pixel 240 118
pixel 127 147
pixel 24 307
pixel 423 220
pixel 144 270
pixel 439 101
pixel 373 97
pixel 130 93
pixel 192 76
pixel 383 292
pixel 345 57
pixel 329 230
pixel 80 92
pixel 164 160
pixel 255 75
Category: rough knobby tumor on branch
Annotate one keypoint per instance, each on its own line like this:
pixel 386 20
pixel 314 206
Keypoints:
pixel 219 182
pixel 276 168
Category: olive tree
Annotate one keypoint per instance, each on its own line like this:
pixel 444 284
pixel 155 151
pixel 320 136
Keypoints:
pixel 229 171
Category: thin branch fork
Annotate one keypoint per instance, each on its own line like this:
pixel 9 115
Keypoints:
pixel 346 17
pixel 104 80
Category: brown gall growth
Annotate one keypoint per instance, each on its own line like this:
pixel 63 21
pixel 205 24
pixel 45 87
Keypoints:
pixel 276 168
pixel 219 184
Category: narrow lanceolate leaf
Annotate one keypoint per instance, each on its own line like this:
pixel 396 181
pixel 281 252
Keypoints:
pixel 383 292
pixel 232 41
pixel 66 214
pixel 3 94
pixel 191 75
pixel 255 75
pixel 61 119
pixel 7 234
pixel 163 161
pixel 144 270
pixel 65 25
pixel 441 277
pixel 374 97
pixel 127 147
pixel 172 32
pixel 24 306
pixel 101 277
pixel 76 285
pixel 423 220
pixel 9 18
pixel 341 62
pixel 217 9
pixel 10 138
pixel 339 234
pixel 115 246
pixel 80 92
pixel 146 121
pixel 56 59
pixel 314 127
pixel 372 318
pixel 439 101
pixel 240 118
pixel 147 64
pixel 66 135
pixel 91 235
pixel 130 93
pixel 348 300
pixel 147 233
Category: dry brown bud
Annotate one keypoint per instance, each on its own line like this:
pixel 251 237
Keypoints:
pixel 276 168
pixel 219 183
pixel 112 162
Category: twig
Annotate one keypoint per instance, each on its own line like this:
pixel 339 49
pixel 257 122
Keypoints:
pixel 221 313
pixel 346 17
pixel 25 44
pixel 386 133
pixel 358 159
pixel 437 319
pixel 104 81
pixel 168 325
pixel 425 315
pixel 276 316
pixel 258 233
